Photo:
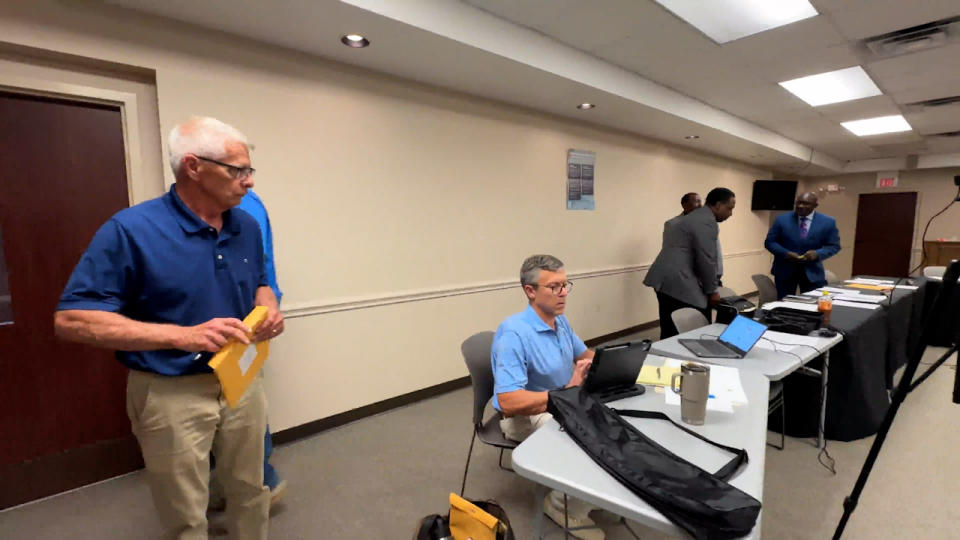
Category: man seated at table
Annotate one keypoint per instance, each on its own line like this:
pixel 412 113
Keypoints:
pixel 533 352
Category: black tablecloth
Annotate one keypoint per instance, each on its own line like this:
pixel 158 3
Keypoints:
pixel 875 344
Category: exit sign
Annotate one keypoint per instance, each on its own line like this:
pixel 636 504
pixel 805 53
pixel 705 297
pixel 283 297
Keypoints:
pixel 888 179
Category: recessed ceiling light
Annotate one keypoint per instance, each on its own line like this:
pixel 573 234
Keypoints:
pixel 691 137
pixel 585 106
pixel 354 40
pixel 833 86
pixel 876 126
pixel 727 20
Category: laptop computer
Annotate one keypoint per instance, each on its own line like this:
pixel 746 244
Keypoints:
pixel 613 374
pixel 739 337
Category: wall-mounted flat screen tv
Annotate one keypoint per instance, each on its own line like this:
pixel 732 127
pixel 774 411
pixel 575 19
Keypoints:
pixel 773 195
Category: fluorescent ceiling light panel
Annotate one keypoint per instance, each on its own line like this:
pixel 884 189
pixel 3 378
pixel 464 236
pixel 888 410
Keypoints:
pixel 727 20
pixel 833 86
pixel 876 126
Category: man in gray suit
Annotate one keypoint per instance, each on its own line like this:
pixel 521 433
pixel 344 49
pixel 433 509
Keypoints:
pixel 685 272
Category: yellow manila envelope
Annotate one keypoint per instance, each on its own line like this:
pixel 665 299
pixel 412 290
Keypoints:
pixel 236 365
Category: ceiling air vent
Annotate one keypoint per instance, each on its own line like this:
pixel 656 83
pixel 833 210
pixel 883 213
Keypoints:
pixel 947 134
pixel 919 106
pixel 915 38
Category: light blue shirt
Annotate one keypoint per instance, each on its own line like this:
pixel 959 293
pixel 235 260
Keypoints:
pixel 529 355
pixel 252 205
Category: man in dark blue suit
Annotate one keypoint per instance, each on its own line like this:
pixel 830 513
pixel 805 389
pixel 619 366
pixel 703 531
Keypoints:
pixel 800 241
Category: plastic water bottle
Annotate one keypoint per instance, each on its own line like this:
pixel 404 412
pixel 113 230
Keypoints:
pixel 825 306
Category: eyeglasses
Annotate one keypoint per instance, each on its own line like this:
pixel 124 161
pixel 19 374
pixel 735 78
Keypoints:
pixel 237 173
pixel 555 288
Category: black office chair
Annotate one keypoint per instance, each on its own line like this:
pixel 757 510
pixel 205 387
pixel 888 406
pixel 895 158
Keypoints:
pixel 476 354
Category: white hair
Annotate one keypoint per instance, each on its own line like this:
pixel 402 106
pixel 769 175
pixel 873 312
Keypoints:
pixel 202 136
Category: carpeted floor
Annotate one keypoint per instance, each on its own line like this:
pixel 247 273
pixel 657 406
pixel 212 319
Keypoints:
pixel 376 477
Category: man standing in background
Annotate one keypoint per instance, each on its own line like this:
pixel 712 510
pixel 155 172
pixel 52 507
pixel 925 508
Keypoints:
pixel 685 272
pixel 252 205
pixel 800 241
pixel 688 203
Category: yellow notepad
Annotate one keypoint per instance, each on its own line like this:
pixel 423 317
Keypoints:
pixel 236 365
pixel 656 376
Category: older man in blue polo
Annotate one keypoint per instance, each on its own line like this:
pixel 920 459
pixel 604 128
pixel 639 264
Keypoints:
pixel 535 351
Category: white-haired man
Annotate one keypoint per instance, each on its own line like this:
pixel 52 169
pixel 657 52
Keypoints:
pixel 166 283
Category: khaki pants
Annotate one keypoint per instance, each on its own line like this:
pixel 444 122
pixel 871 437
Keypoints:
pixel 518 428
pixel 178 421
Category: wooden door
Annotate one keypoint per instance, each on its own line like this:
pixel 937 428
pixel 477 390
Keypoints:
pixel 884 237
pixel 62 406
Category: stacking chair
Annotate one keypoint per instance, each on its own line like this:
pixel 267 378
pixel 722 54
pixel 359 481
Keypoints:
pixel 476 354
pixel 830 276
pixel 934 271
pixel 686 319
pixel 726 292
pixel 766 288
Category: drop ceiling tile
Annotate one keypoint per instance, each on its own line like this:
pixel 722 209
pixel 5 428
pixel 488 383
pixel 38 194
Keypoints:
pixel 922 93
pixel 935 119
pixel 925 69
pixel 858 109
pixel 850 151
pixel 892 138
pixel 943 145
pixel 859 19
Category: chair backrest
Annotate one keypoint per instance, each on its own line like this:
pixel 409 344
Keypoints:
pixel 766 288
pixel 686 319
pixel 476 354
pixel 829 276
pixel 934 271
pixel 726 292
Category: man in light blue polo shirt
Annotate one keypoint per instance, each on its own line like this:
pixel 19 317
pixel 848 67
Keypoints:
pixel 166 284
pixel 533 352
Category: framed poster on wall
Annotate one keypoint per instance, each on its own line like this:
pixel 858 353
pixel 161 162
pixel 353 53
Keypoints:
pixel 581 173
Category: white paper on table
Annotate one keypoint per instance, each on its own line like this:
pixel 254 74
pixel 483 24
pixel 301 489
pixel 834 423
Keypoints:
pixel 866 298
pixel 838 290
pixel 791 305
pixel 724 386
pixel 247 359
pixel 910 287
pixel 867 281
pixel 861 305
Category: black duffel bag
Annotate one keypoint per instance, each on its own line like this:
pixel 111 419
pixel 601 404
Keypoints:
pixel 701 503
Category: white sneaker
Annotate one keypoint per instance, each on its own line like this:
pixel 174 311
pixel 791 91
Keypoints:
pixel 556 514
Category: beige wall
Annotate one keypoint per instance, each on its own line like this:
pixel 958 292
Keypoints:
pixel 935 189
pixel 401 213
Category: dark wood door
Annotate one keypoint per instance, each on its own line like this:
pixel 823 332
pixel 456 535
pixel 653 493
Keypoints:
pixel 62 406
pixel 884 237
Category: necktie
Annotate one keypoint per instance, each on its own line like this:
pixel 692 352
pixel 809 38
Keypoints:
pixel 804 226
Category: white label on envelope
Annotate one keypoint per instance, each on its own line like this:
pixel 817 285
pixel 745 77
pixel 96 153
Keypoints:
pixel 247 359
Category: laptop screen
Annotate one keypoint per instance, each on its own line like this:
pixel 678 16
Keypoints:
pixel 743 333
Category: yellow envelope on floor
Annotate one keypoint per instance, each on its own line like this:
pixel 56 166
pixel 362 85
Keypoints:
pixel 236 365
pixel 656 376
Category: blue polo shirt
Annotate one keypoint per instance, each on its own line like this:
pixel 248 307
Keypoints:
pixel 158 262
pixel 529 355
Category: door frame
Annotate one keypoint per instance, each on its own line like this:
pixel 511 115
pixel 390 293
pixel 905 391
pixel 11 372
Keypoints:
pixel 126 101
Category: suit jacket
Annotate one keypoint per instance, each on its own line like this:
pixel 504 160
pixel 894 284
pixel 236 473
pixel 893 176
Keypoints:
pixel 784 236
pixel 686 268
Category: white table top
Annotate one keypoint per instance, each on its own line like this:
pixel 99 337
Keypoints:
pixel 771 359
pixel 553 459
